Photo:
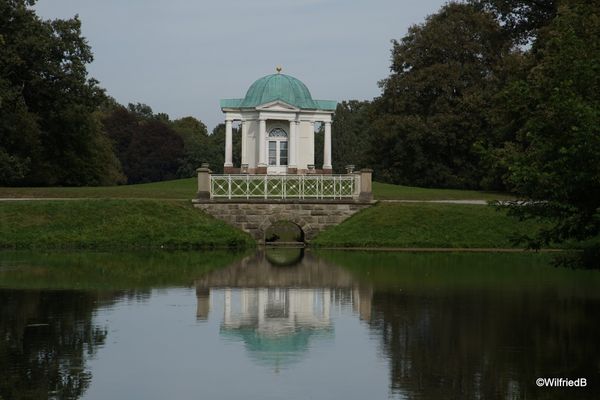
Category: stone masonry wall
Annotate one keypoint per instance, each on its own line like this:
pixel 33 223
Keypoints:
pixel 255 218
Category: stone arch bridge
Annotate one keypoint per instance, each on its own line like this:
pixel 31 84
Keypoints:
pixel 256 217
pixel 253 203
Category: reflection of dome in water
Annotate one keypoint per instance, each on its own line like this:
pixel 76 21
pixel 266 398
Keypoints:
pixel 276 324
pixel 276 351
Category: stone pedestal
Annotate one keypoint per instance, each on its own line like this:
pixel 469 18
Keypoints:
pixel 203 182
pixel 366 185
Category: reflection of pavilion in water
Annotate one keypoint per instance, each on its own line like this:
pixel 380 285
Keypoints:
pixel 277 310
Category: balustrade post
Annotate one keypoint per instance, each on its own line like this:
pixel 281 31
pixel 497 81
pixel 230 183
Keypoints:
pixel 229 187
pixel 366 186
pixel 266 186
pixel 321 179
pixel 204 191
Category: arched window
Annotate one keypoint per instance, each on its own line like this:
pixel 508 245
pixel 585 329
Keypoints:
pixel 278 133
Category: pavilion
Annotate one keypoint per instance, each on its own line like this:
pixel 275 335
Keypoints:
pixel 277 118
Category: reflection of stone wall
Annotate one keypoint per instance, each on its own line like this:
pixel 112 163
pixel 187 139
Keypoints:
pixel 255 218
pixel 257 272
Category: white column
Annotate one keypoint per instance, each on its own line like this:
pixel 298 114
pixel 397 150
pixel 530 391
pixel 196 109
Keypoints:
pixel 327 147
pixel 262 144
pixel 292 145
pixel 227 308
pixel 312 135
pixel 244 141
pixel 228 144
pixel 296 144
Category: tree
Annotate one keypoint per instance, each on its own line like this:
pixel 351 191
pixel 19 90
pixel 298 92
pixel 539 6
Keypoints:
pixel 154 153
pixel 521 19
pixel 554 162
pixel 196 142
pixel 149 150
pixel 429 123
pixel 48 126
pixel 350 141
pixel 12 168
pixel 120 126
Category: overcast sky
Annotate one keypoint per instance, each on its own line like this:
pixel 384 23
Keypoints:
pixel 182 56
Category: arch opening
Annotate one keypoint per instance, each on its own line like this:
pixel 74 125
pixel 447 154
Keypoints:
pixel 284 232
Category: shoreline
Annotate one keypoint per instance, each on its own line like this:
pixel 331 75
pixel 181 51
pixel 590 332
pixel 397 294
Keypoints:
pixel 440 249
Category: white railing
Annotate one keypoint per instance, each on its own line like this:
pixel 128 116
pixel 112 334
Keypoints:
pixel 329 187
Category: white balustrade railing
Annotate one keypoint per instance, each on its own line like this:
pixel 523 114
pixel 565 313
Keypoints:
pixel 284 186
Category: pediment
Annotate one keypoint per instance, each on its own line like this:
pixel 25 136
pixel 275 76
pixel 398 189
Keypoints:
pixel 277 105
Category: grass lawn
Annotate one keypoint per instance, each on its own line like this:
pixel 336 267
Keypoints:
pixel 113 224
pixel 156 215
pixel 185 189
pixel 385 191
pixel 176 189
pixel 409 225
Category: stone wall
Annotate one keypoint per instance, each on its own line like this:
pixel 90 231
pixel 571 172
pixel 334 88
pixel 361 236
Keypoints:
pixel 255 218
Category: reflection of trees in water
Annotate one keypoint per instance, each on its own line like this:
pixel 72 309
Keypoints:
pixel 46 337
pixel 486 345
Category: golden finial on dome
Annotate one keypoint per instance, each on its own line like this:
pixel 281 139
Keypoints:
pixel 278 69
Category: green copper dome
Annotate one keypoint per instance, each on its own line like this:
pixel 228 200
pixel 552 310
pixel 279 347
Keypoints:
pixel 279 87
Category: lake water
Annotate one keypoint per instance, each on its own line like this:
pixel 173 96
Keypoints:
pixel 289 324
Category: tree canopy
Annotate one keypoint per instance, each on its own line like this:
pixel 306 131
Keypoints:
pixel 554 161
pixel 50 134
pixel 521 20
pixel 430 117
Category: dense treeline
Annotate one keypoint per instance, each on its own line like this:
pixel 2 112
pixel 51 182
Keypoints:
pixel 58 127
pixel 438 121
pixel 150 147
pixel 50 133
pixel 498 95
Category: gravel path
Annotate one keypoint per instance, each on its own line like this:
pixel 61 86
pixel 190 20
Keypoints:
pixel 40 198
pixel 478 202
pixel 475 202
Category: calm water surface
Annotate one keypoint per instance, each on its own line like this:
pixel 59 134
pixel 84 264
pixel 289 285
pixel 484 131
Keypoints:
pixel 286 324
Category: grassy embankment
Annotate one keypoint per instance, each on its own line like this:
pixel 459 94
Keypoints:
pixel 129 223
pixel 420 225
pixel 180 189
pixel 113 224
pixel 385 191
